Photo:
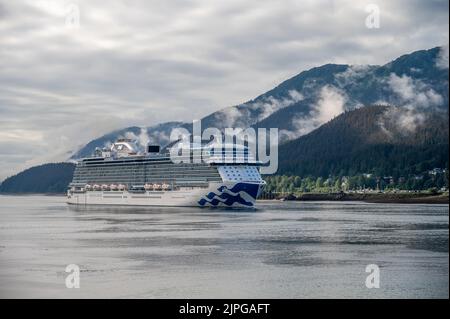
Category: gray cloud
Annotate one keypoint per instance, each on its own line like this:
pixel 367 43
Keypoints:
pixel 414 98
pixel 442 59
pixel 144 62
pixel 331 103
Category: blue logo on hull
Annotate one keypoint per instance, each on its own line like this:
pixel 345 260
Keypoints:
pixel 241 193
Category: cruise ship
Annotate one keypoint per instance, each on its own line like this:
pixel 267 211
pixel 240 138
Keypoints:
pixel 122 175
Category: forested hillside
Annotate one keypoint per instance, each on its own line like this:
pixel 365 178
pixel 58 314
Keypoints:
pixel 47 178
pixel 366 140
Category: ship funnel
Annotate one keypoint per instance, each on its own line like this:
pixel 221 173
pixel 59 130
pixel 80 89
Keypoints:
pixel 152 148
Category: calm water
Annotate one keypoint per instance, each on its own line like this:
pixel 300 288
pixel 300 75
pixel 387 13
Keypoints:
pixel 282 250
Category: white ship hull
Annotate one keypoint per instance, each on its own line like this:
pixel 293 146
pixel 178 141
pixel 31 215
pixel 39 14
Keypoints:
pixel 216 195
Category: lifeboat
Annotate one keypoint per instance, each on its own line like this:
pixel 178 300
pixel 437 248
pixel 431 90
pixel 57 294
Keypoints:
pixel 113 187
pixel 156 186
pixel 96 187
pixel 121 187
pixel 148 187
pixel 105 187
pixel 87 187
pixel 165 186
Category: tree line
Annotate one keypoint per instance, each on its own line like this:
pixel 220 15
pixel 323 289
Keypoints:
pixel 362 182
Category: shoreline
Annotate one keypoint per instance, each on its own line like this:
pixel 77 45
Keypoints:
pixel 394 198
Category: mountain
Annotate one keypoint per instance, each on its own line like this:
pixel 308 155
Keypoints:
pixel 326 127
pixel 47 178
pixel 414 80
pixel 313 97
pixel 304 102
pixel 366 141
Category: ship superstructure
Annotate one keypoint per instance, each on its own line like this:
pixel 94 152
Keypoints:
pixel 121 175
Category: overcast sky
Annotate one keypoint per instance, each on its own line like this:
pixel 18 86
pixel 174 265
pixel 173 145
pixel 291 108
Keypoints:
pixel 126 63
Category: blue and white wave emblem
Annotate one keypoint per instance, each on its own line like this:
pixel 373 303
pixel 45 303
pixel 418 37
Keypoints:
pixel 242 193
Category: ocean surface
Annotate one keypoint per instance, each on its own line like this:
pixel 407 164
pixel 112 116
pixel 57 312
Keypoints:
pixel 280 250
